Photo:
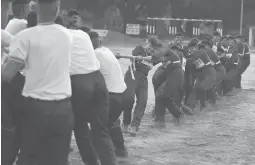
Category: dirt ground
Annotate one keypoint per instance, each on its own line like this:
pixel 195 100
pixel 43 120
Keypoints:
pixel 225 136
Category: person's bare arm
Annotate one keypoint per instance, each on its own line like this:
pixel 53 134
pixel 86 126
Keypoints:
pixel 18 54
pixel 6 38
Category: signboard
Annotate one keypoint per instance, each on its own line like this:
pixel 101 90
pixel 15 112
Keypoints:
pixel 133 29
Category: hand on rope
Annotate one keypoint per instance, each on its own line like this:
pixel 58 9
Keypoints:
pixel 136 58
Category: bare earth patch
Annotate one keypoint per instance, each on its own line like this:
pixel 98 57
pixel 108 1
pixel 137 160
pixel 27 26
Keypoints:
pixel 225 136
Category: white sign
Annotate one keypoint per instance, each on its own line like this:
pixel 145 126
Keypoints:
pixel 133 29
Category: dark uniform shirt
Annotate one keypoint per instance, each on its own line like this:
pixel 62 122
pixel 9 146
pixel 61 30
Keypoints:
pixel 142 66
pixel 213 57
pixel 231 55
pixel 200 58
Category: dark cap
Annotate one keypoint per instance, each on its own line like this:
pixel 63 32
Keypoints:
pixel 239 36
pixel 72 12
pixel 216 33
pixel 176 47
pixel 179 35
pixel 195 39
pixel 154 41
pixel 206 42
pixel 93 34
pixel 192 44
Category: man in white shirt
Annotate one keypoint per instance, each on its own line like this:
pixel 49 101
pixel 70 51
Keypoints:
pixel 20 9
pixel 12 90
pixel 47 113
pixel 90 100
pixel 111 70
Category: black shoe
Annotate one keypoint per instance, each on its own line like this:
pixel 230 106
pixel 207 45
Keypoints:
pixel 121 153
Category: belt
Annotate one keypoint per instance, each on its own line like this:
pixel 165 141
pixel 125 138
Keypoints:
pixel 176 62
pixel 217 63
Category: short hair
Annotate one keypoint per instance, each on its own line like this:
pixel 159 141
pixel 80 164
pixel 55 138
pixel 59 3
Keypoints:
pixel 93 34
pixel 216 33
pixel 224 37
pixel 31 19
pixel 60 21
pixel 201 46
pixel 179 34
pixel 18 7
pixel 192 44
pixel 176 47
pixel 72 12
pixel 85 29
pixel 195 39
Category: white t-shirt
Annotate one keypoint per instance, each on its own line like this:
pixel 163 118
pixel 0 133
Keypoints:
pixel 111 70
pixel 16 25
pixel 83 58
pixel 45 50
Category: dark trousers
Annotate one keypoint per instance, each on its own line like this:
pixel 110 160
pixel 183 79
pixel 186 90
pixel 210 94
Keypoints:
pixel 11 118
pixel 116 108
pixel 188 85
pixel 244 64
pixel 158 78
pixel 170 95
pixel 163 102
pixel 90 100
pixel 46 132
pixel 220 76
pixel 228 83
pixel 138 88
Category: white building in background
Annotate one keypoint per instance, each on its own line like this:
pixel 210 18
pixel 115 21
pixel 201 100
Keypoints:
pixel 252 36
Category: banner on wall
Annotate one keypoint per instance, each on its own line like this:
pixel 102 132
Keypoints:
pixel 133 29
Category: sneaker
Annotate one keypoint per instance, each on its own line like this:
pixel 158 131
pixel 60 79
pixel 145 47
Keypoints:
pixel 132 130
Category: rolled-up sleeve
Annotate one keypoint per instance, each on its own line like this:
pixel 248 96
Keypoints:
pixel 19 47
pixel 6 38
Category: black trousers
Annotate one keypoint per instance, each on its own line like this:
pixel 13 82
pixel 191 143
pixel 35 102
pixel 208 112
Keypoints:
pixel 170 94
pixel 11 118
pixel 90 100
pixel 244 64
pixel 116 108
pixel 228 83
pixel 138 88
pixel 46 132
